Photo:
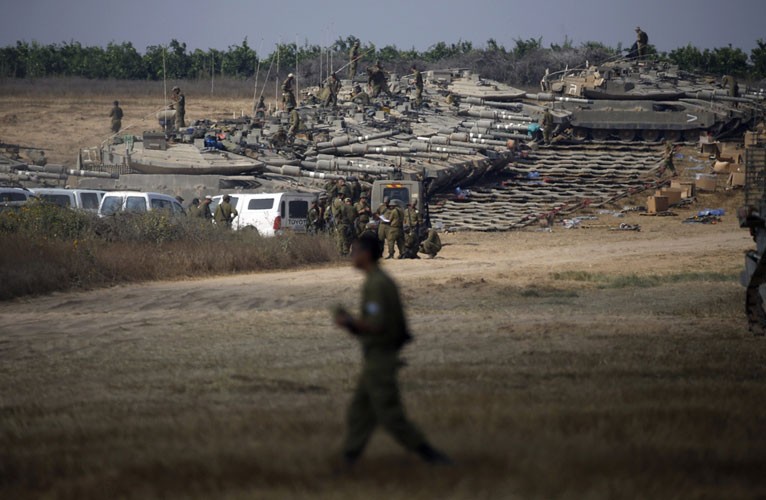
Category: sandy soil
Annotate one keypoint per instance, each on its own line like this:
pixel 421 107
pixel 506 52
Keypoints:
pixel 537 364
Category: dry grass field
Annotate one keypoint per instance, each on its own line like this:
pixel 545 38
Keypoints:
pixel 581 364
pixel 577 364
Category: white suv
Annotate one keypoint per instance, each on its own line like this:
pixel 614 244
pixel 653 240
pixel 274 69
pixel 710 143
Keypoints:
pixel 137 202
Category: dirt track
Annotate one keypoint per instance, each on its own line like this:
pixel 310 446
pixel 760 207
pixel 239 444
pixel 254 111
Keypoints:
pixel 580 364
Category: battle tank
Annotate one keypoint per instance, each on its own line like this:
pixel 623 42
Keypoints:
pixel 753 217
pixel 631 100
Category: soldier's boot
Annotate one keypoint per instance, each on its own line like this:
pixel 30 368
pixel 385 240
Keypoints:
pixel 432 456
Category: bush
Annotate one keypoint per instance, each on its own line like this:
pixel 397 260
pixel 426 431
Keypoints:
pixel 46 249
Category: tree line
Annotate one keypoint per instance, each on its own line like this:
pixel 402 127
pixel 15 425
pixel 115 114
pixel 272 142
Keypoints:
pixel 521 64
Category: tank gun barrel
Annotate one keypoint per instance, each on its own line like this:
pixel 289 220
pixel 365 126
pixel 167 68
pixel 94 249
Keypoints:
pixel 715 96
pixel 491 114
pixel 478 101
pixel 294 171
pixel 345 140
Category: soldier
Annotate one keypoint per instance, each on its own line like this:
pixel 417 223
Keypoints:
pixel 730 83
pixel 432 244
pixel 360 97
pixel 667 159
pixel 295 123
pixel 260 110
pixel 642 40
pixel 382 214
pixel 356 189
pixel 344 190
pixel 116 115
pixel 547 126
pixel 412 224
pixel 207 214
pixel 288 92
pixel 353 61
pixel 332 87
pixel 313 218
pixel 395 234
pixel 279 140
pixel 193 210
pixel 225 213
pixel 418 77
pixel 364 214
pixel 377 80
pixel 179 104
pixel 346 219
pixel 382 330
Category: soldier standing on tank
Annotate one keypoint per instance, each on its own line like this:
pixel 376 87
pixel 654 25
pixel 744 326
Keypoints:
pixel 333 86
pixel 179 104
pixel 295 123
pixel 260 110
pixel 642 41
pixel 225 213
pixel 547 126
pixel 288 92
pixel 382 331
pixel 395 235
pixel 116 115
pixel 418 77
pixel 377 80
pixel 353 60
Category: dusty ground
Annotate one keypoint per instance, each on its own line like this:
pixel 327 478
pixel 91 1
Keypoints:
pixel 577 364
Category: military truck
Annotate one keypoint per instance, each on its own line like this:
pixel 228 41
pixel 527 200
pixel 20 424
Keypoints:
pixel 753 217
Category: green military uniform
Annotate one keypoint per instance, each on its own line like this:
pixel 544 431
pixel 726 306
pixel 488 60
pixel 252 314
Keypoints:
pixel 432 244
pixel 194 211
pixel 353 60
pixel 642 40
pixel 116 115
pixel 179 103
pixel 383 211
pixel 346 227
pixel 363 216
pixel 288 93
pixel 377 80
pixel 395 234
pixel 332 87
pixel 412 223
pixel 730 83
pixel 224 214
pixel 205 210
pixel 312 219
pixel 361 98
pixel 668 158
pixel 376 400
pixel 418 76
pixel 547 126
pixel 295 123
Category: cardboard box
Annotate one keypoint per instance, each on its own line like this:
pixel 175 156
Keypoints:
pixel 686 187
pixel 736 179
pixel 705 182
pixel 656 204
pixel 672 194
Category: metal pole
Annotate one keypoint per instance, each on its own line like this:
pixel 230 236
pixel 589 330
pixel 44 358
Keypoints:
pixel 212 72
pixel 257 71
pixel 276 78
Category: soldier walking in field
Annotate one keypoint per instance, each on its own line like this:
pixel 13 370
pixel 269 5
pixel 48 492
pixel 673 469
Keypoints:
pixel 225 213
pixel 116 115
pixel 395 234
pixel 382 330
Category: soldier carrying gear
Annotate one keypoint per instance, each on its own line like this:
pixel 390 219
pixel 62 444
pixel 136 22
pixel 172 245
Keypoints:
pixel 332 87
pixel 288 92
pixel 377 79
pixel 382 330
pixel 353 57
pixel 179 104
pixel 360 97
pixel 116 115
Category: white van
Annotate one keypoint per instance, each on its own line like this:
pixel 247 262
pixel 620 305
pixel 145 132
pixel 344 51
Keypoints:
pixel 138 202
pixel 83 199
pixel 13 198
pixel 270 213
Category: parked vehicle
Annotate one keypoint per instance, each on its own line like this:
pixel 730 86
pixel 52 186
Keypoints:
pixel 138 202
pixel 270 213
pixel 13 198
pixel 83 199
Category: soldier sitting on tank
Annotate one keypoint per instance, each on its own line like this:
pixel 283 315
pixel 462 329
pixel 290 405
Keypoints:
pixel 360 97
